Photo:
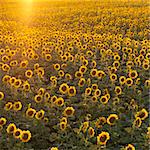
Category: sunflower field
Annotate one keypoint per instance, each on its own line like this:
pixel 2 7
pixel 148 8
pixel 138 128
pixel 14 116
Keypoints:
pixel 74 74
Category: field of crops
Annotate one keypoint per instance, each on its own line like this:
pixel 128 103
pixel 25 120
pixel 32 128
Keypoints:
pixel 74 75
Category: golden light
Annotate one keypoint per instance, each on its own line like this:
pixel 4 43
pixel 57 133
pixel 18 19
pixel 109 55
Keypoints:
pixel 26 10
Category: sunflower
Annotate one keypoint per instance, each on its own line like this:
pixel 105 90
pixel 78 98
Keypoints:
pixel 8 106
pixel 6 78
pixel 97 92
pixel 88 91
pixel 84 126
pixel 81 82
pixel 41 91
pixel 30 112
pixel 61 73
pixel 56 66
pixel 2 121
pixel 48 57
pixel 100 122
pixel 143 114
pixel 11 128
pixel 17 83
pixel 130 147
pixel 40 71
pixel 38 98
pixel 5 67
pixel 17 106
pixel 17 133
pixel 63 119
pixel 147 83
pixel 94 99
pixel 133 74
pixel 40 114
pixel 145 66
pixel 24 64
pixel 1 96
pixel 53 98
pixel 113 77
pixel 59 102
pixel 25 136
pixel 122 80
pixel 83 69
pixel 69 111
pixel 63 125
pixel 104 99
pixel 111 120
pixel 118 90
pixel 29 73
pixel 94 86
pixel 102 138
pixel 68 76
pixel 63 88
pixel 72 91
pixel 93 72
pixel 91 132
pixel 26 86
pixel 137 122
pixel 78 74
pixel 129 82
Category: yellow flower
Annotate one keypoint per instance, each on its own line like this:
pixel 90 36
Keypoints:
pixel 113 77
pixel 100 122
pixel 143 114
pixel 24 64
pixel 112 119
pixel 122 80
pixel 83 69
pixel 97 92
pixel 104 99
pixel 88 91
pixel 93 72
pixel 59 102
pixel 102 138
pixel 11 128
pixel 133 74
pixel 29 73
pixel 54 148
pixel 40 114
pixel 78 74
pixel 38 98
pixel 17 106
pixel 63 88
pixel 61 73
pixel 41 91
pixel 69 111
pixel 17 83
pixel 1 96
pixel 81 82
pixel 130 147
pixel 8 106
pixel 63 125
pixel 17 133
pixel 129 82
pixel 48 57
pixel 26 86
pixel 2 121
pixel 63 119
pixel 137 122
pixel 30 112
pixel 94 86
pixel 56 66
pixel 118 90
pixel 91 132
pixel 85 126
pixel 25 136
pixel 72 91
